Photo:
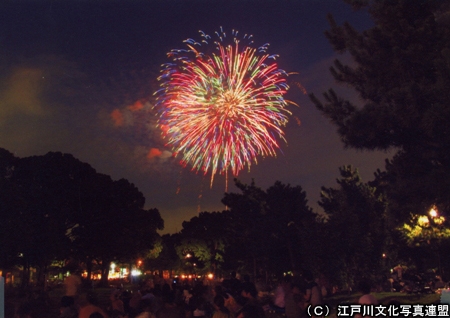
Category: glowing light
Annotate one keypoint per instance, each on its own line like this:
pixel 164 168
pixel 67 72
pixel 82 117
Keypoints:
pixel 136 272
pixel 433 213
pixel 222 110
pixel 210 276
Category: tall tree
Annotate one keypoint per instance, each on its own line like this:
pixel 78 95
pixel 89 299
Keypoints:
pixel 205 235
pixel 55 206
pixel 9 209
pixel 164 256
pixel 43 190
pixel 112 223
pixel 274 228
pixel 401 72
pixel 356 236
pixel 293 224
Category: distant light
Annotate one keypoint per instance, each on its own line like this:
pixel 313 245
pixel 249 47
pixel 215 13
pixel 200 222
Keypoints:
pixel 136 272
pixel 433 213
pixel 113 265
pixel 210 276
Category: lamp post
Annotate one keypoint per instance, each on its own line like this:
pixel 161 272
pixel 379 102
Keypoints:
pixel 433 213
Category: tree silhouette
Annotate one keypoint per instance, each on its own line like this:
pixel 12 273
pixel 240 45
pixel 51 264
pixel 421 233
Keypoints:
pixel 9 209
pixel 355 236
pixel 205 236
pixel 44 191
pixel 272 230
pixel 400 71
pixel 55 207
pixel 112 223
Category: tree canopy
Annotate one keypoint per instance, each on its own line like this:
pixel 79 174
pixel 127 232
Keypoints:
pixel 355 236
pixel 277 221
pixel 401 71
pixel 55 206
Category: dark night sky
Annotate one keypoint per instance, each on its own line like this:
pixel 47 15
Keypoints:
pixel 73 71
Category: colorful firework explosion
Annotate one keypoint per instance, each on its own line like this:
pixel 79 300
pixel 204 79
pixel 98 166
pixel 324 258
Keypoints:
pixel 222 110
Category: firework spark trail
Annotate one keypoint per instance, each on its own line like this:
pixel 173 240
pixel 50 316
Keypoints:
pixel 223 109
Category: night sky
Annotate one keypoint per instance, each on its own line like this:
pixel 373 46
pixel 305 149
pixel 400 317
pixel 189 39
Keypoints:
pixel 76 77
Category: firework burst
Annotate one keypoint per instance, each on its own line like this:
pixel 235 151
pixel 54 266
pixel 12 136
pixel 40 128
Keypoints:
pixel 221 110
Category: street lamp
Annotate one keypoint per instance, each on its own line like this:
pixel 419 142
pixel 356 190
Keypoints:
pixel 438 220
pixel 433 213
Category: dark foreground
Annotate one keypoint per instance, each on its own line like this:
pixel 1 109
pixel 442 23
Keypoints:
pixel 49 303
